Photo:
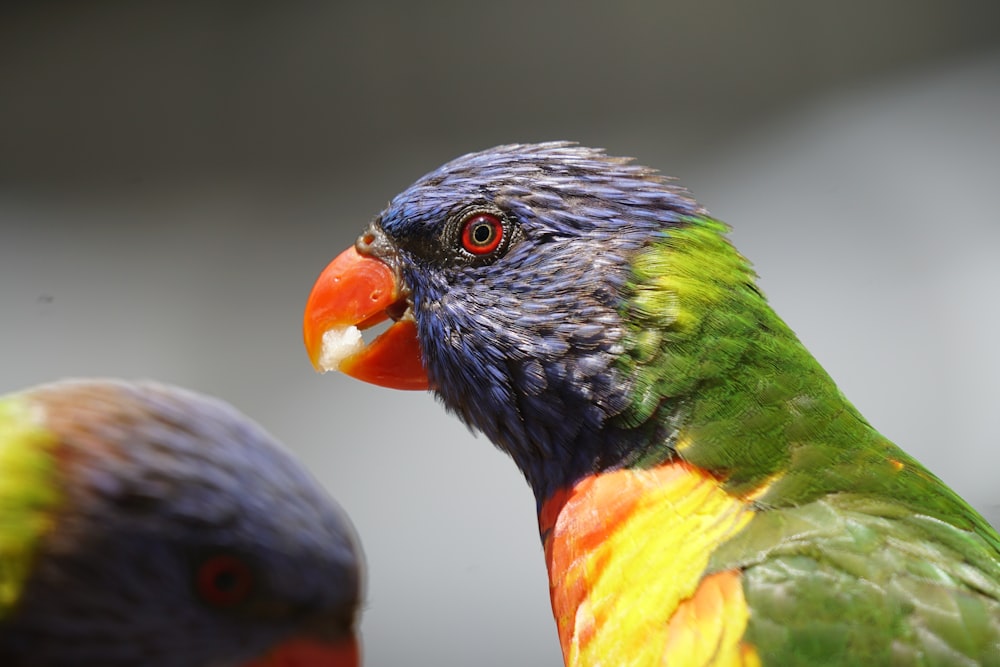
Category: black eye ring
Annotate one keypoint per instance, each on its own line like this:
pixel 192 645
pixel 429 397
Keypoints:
pixel 482 233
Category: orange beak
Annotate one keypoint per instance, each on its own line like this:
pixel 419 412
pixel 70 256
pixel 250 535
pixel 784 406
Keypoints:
pixel 311 653
pixel 354 293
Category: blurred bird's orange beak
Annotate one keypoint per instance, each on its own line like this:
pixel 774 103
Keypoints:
pixel 353 293
pixel 311 653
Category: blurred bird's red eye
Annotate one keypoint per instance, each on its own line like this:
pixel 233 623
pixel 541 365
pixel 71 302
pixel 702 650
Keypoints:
pixel 224 580
pixel 482 233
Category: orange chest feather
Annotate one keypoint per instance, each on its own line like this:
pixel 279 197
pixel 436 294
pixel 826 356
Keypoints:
pixel 626 553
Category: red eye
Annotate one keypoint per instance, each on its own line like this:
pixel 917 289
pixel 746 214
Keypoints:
pixel 224 581
pixel 482 233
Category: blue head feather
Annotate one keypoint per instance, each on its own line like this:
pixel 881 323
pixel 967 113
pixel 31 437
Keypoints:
pixel 516 343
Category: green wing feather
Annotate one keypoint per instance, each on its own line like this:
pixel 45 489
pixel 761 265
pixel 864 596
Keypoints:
pixel 858 554
pixel 28 493
pixel 848 581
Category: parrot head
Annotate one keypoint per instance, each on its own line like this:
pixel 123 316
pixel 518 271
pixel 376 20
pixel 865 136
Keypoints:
pixel 504 274
pixel 146 526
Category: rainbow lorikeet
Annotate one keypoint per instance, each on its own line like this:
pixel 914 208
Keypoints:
pixel 146 526
pixel 706 495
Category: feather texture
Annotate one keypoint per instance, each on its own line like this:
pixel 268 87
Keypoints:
pixel 706 493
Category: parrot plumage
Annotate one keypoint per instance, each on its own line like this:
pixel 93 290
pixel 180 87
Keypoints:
pixel 706 495
pixel 142 525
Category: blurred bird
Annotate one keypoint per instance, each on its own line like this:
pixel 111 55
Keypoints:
pixel 706 495
pixel 146 526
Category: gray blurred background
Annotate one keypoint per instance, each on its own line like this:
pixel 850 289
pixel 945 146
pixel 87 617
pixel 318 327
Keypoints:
pixel 174 176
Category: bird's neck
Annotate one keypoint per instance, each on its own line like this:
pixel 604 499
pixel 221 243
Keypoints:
pixel 708 374
pixel 718 381
pixel 725 381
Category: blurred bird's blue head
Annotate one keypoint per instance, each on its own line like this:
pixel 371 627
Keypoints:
pixel 185 536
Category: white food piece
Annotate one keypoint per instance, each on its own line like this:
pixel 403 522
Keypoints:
pixel 338 344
